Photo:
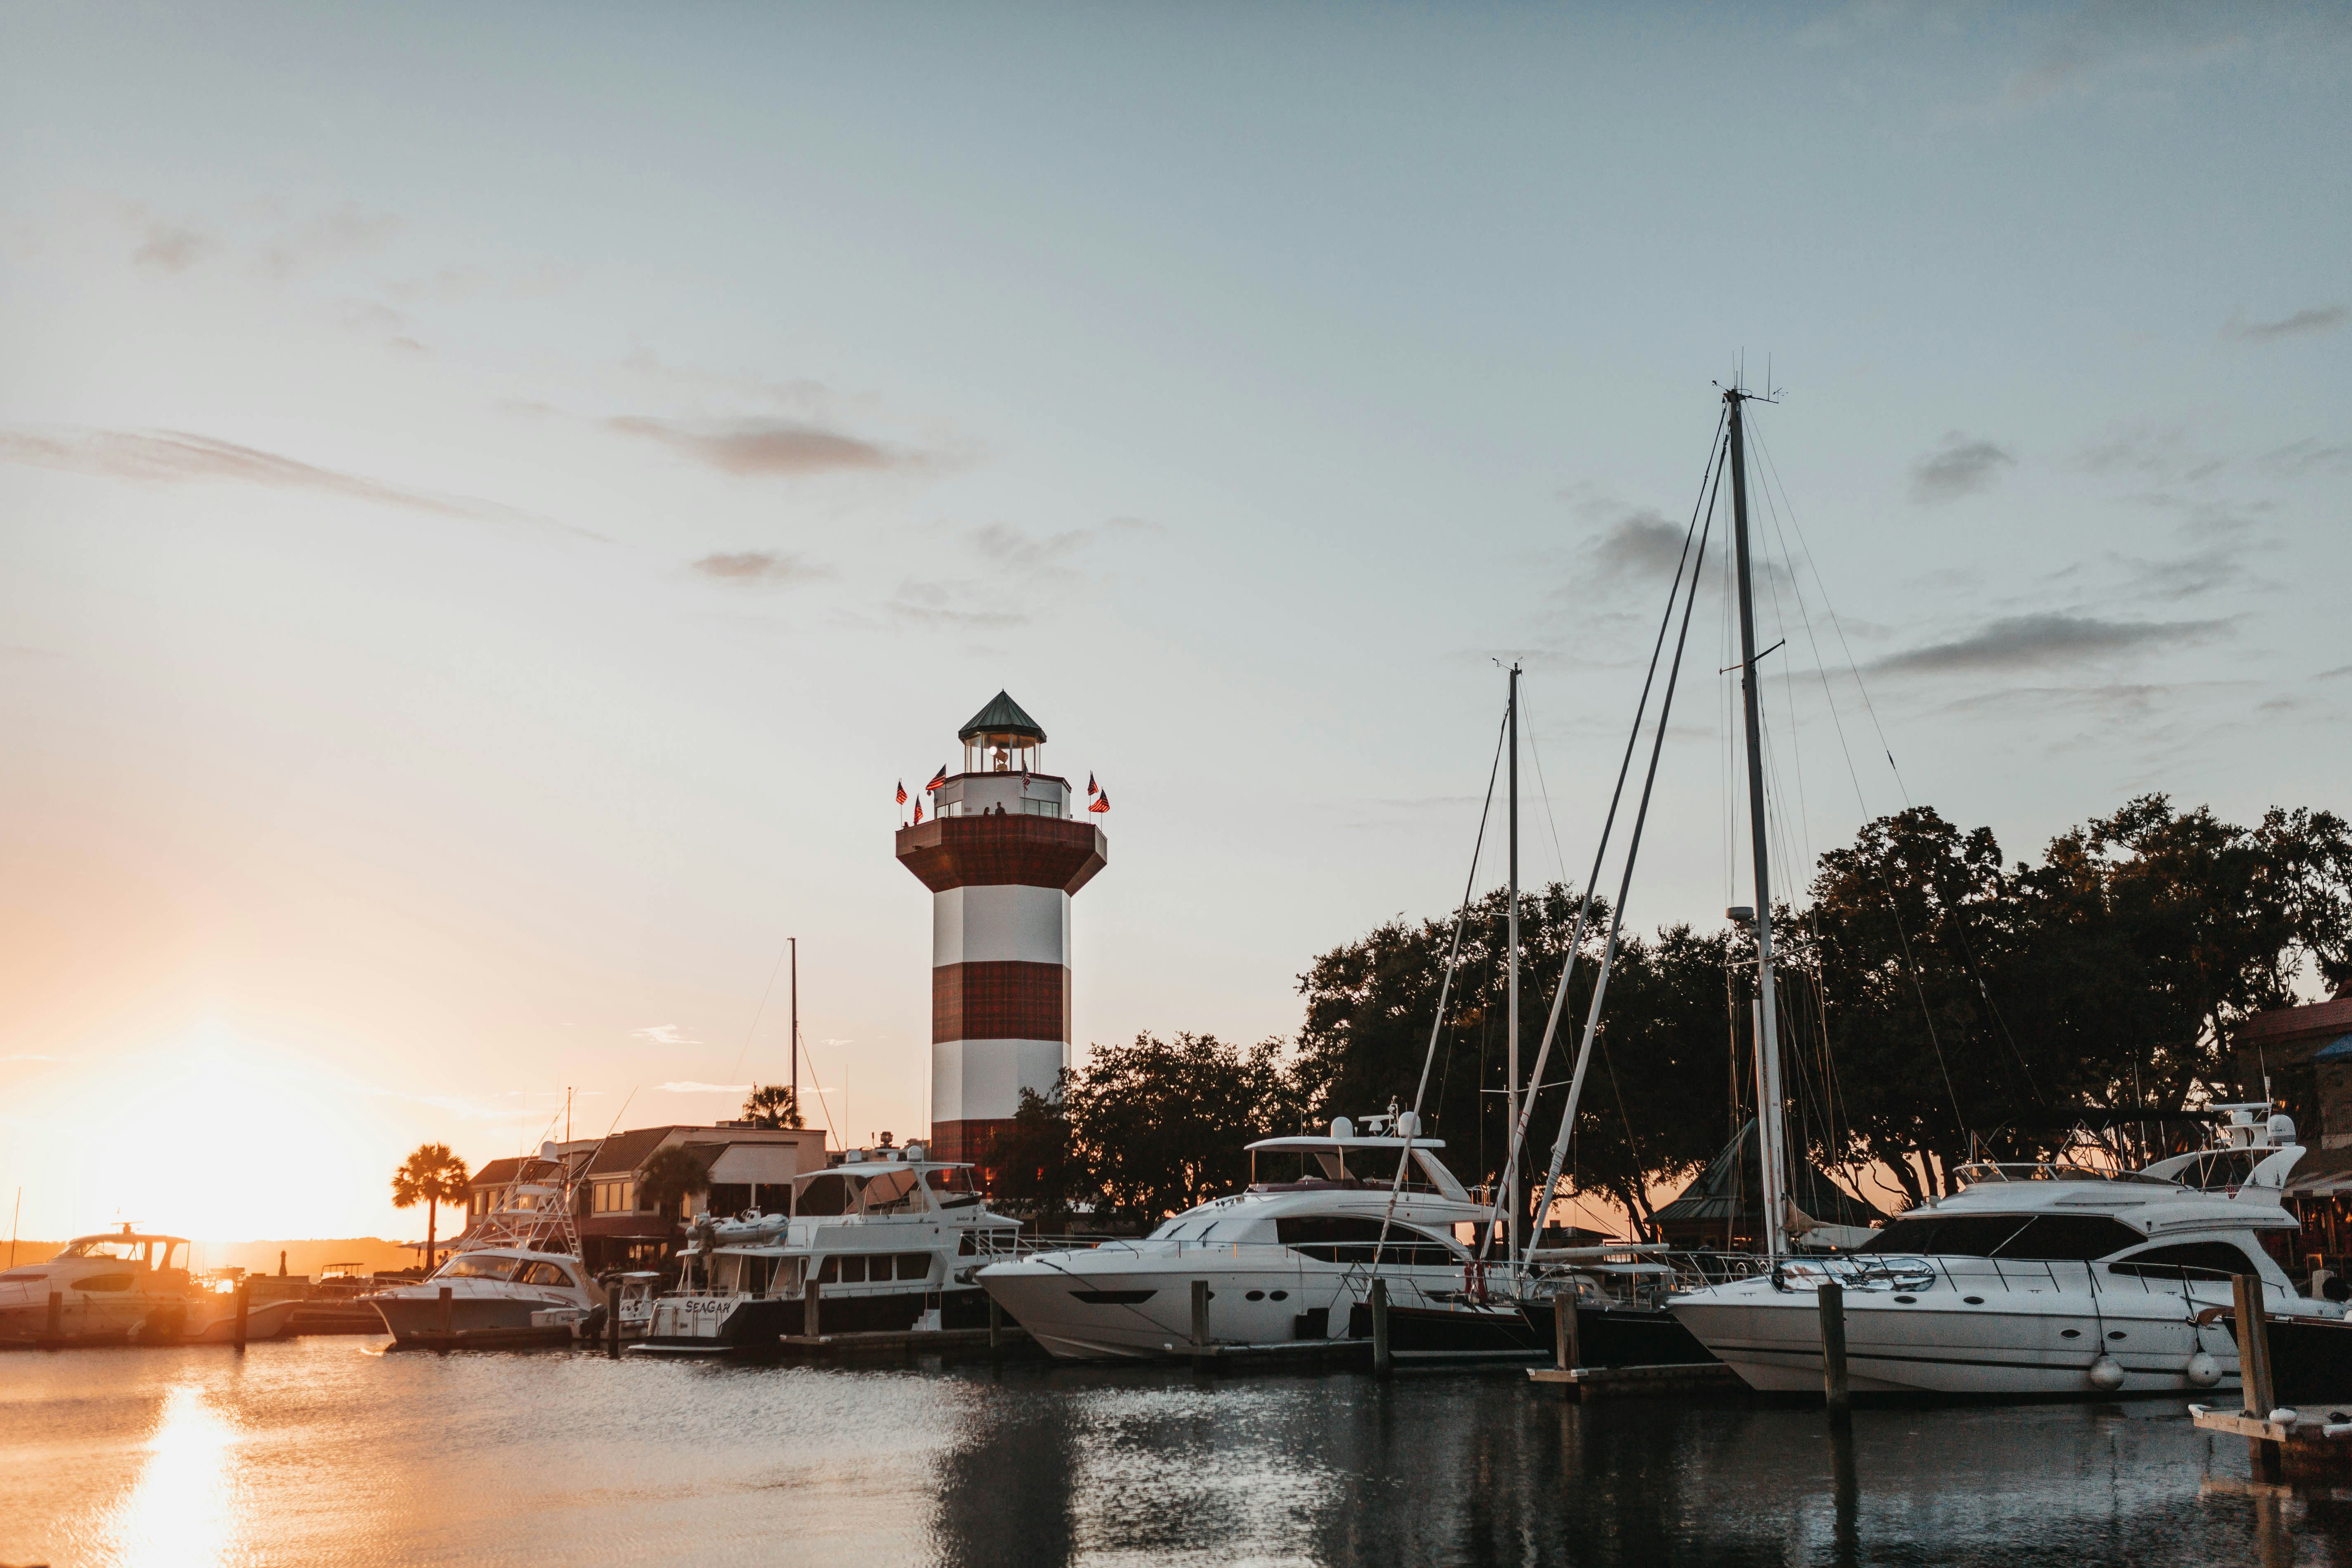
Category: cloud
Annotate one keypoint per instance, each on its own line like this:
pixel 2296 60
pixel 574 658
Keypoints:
pixel 2018 642
pixel 2297 458
pixel 31 1057
pixel 169 248
pixel 178 457
pixel 2332 674
pixel 757 568
pixel 1963 465
pixel 347 231
pixel 1642 544
pixel 919 601
pixel 763 446
pixel 692 1088
pixel 663 1034
pixel 2307 323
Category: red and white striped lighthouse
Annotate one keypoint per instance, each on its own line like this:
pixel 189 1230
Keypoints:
pixel 1001 854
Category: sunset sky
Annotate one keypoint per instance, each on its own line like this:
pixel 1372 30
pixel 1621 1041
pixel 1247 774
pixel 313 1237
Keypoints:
pixel 492 503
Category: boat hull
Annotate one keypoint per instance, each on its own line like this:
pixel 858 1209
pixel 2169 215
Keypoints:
pixel 757 1323
pixel 412 1317
pixel 2033 1333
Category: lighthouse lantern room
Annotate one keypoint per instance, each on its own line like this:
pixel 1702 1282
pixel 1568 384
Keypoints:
pixel 1002 855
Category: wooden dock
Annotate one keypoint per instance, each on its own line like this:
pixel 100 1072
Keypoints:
pixel 1635 1382
pixel 1274 1352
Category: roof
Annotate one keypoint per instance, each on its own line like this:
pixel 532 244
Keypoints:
pixel 1003 716
pixel 2281 1025
pixel 626 1152
pixel 1728 1190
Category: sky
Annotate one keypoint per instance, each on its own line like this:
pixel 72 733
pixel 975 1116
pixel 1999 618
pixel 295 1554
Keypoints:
pixel 493 501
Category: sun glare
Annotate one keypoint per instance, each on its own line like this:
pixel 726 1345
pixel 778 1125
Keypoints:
pixel 183 1508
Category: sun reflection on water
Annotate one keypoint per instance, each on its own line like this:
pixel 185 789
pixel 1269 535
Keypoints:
pixel 183 1508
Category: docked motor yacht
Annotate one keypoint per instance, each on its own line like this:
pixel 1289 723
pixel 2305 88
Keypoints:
pixel 129 1288
pixel 2035 1280
pixel 890 1236
pixel 1292 1257
pixel 523 1260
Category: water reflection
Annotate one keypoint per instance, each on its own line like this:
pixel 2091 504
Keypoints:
pixel 182 1509
pixel 310 1451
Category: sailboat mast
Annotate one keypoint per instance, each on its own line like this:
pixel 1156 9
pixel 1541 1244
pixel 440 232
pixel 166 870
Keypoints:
pixel 1770 1134
pixel 795 944
pixel 1511 1024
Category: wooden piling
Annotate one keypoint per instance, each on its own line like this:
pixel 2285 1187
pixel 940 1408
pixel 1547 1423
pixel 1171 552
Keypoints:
pixel 2254 1372
pixel 1835 1391
pixel 448 1313
pixel 1566 1350
pixel 244 1300
pixel 1200 1323
pixel 613 1320
pixel 1383 1363
pixel 811 1294
pixel 995 1325
pixel 56 1313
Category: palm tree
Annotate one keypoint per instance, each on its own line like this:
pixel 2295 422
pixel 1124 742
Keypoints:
pixel 773 1105
pixel 671 1177
pixel 433 1175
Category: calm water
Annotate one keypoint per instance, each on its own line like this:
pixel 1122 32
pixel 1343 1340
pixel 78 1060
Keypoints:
pixel 322 1451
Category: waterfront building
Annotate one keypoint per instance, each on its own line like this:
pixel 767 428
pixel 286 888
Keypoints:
pixel 1001 851
pixel 2303 1056
pixel 619 1227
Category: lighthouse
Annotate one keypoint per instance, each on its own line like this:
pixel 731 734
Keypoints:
pixel 1001 854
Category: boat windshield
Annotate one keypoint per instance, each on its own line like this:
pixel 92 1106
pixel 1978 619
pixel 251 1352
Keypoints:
pixel 477 1266
pixel 119 1248
pixel 950 1188
pixel 894 1192
pixel 2047 1238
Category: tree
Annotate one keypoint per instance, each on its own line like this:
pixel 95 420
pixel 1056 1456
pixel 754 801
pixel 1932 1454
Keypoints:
pixel 671 1177
pixel 773 1105
pixel 432 1175
pixel 1039 1173
pixel 1159 1125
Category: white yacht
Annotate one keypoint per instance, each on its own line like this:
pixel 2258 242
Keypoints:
pixel 129 1288
pixel 890 1236
pixel 2039 1281
pixel 1291 1258
pixel 519 1269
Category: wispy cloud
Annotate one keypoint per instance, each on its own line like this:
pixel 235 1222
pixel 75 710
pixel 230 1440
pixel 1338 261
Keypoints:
pixel 179 457
pixel 2018 642
pixel 1640 544
pixel 31 1057
pixel 922 602
pixel 1962 466
pixel 663 1034
pixel 2297 458
pixel 762 568
pixel 169 248
pixel 764 447
pixel 2341 669
pixel 691 1088
pixel 2307 323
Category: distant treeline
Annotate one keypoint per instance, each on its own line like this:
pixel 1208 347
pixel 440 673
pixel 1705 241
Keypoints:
pixel 1934 1001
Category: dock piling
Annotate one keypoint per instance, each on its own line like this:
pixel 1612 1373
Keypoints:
pixel 2254 1372
pixel 1200 1323
pixel 1835 1391
pixel 56 1313
pixel 1566 1352
pixel 244 1300
pixel 447 1312
pixel 1383 1363
pixel 613 1320
pixel 811 1294
pixel 995 1325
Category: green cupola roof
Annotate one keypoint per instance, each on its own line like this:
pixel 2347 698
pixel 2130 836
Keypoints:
pixel 1003 716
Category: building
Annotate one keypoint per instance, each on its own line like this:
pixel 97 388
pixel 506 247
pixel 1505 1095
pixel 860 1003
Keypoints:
pixel 2304 1057
pixel 1002 853
pixel 618 1225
